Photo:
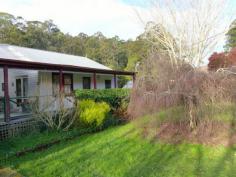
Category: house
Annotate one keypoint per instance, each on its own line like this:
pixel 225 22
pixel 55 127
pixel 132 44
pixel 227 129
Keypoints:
pixel 129 84
pixel 26 72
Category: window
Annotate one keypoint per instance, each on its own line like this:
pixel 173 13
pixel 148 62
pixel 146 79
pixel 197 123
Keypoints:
pixel 107 84
pixel 67 83
pixel 86 83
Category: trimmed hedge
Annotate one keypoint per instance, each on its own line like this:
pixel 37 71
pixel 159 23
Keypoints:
pixel 113 97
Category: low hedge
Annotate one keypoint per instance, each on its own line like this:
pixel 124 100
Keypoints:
pixel 114 97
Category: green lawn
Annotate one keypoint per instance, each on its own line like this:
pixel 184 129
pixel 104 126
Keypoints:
pixel 16 144
pixel 121 151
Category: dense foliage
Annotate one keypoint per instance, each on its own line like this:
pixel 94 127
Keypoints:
pixel 222 60
pixel 113 97
pixel 113 52
pixel 92 114
pixel 231 36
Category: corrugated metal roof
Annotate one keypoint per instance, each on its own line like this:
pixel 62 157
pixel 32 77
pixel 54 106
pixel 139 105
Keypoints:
pixel 12 52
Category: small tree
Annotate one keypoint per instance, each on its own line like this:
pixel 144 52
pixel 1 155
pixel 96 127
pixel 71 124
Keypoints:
pixel 217 60
pixel 54 112
pixel 222 60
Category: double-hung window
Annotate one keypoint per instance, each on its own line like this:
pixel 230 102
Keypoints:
pixel 67 82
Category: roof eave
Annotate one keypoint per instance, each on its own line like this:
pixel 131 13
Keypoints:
pixel 48 66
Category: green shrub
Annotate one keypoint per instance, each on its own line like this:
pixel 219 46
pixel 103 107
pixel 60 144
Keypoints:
pixel 92 114
pixel 114 97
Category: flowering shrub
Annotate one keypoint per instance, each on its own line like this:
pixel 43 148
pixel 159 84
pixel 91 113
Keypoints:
pixel 92 114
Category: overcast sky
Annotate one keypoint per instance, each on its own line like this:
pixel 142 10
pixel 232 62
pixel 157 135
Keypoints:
pixel 111 17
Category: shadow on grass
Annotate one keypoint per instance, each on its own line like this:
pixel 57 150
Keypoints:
pixel 87 147
pixel 227 161
pixel 121 151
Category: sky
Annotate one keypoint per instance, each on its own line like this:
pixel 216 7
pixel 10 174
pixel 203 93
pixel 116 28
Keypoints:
pixel 111 17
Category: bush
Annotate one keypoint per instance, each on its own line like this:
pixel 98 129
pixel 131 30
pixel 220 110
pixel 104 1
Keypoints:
pixel 91 114
pixel 222 60
pixel 161 86
pixel 54 112
pixel 114 97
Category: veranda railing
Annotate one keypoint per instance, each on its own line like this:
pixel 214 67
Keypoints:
pixel 21 107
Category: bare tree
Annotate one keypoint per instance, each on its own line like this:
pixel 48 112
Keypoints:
pixel 188 29
pixel 54 111
pixel 57 111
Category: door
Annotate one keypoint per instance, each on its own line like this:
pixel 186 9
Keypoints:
pixel 21 89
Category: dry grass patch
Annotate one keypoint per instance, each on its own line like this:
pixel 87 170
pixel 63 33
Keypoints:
pixel 7 172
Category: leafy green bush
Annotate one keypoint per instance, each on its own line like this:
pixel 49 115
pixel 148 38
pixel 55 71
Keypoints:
pixel 114 97
pixel 92 114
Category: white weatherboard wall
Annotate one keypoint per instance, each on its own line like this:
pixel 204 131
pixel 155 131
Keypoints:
pixel 40 82
pixel 45 83
pixel 78 80
pixel 100 80
pixel 46 100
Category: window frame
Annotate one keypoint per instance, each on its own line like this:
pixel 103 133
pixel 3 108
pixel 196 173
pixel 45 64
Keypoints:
pixel 87 77
pixel 24 91
pixel 109 83
pixel 63 82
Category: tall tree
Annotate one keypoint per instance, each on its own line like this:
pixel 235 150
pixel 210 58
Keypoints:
pixel 231 37
pixel 113 52
pixel 9 31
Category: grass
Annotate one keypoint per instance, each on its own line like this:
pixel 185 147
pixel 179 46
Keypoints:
pixel 7 172
pixel 224 111
pixel 19 143
pixel 121 151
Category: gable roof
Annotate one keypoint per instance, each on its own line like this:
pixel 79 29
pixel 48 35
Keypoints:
pixel 16 53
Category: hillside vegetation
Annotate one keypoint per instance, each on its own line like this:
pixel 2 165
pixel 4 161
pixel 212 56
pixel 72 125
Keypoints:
pixel 113 52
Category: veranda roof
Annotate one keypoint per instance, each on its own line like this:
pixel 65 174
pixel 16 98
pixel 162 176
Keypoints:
pixel 34 58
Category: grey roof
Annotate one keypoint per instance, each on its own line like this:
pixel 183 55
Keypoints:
pixel 12 52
